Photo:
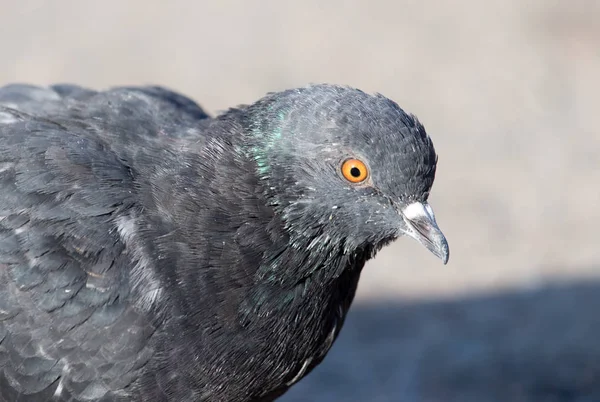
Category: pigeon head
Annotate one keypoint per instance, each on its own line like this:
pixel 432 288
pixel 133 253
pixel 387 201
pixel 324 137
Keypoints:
pixel 344 167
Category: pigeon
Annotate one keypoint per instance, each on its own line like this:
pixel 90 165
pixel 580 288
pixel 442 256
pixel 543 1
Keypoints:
pixel 151 252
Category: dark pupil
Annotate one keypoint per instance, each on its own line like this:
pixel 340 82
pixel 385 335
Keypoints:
pixel 355 172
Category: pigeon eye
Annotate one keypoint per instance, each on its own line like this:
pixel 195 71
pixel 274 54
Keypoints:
pixel 354 171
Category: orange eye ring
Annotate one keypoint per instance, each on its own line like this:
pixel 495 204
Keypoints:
pixel 354 171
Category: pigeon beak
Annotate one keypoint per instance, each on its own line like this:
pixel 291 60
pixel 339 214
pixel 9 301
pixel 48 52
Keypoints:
pixel 422 227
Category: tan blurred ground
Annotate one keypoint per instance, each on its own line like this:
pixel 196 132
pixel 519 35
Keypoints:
pixel 508 89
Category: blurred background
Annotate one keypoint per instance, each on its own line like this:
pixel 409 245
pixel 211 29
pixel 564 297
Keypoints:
pixel 507 89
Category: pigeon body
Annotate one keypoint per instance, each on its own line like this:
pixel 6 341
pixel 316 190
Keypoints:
pixel 151 252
